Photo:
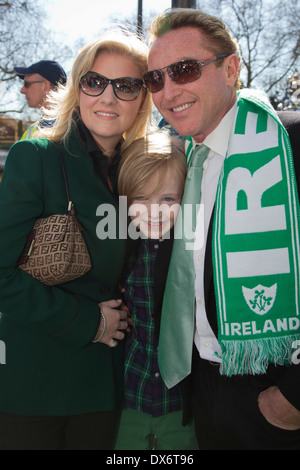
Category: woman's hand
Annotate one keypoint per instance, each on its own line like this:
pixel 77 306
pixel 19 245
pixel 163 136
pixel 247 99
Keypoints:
pixel 124 307
pixel 116 322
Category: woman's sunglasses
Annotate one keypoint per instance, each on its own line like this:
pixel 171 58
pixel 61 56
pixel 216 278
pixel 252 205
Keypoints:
pixel 184 71
pixel 125 88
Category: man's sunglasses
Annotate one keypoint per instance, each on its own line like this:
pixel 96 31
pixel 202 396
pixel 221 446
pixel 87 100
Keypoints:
pixel 28 83
pixel 125 88
pixel 184 71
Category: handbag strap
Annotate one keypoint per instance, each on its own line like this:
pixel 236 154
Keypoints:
pixel 71 207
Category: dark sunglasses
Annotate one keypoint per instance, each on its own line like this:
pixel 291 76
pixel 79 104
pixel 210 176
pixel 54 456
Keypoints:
pixel 184 71
pixel 28 83
pixel 125 88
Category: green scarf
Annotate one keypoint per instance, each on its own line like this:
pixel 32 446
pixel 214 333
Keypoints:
pixel 256 253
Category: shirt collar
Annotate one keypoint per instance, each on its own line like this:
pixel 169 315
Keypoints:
pixel 218 139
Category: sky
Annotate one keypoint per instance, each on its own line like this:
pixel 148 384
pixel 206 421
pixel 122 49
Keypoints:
pixel 72 19
pixel 83 20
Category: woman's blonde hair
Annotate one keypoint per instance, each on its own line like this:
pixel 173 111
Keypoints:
pixel 218 38
pixel 146 156
pixel 64 102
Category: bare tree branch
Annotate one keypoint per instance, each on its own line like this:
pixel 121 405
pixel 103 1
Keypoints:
pixel 22 46
pixel 268 35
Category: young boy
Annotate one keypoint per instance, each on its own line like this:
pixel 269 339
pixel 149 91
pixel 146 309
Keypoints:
pixel 152 176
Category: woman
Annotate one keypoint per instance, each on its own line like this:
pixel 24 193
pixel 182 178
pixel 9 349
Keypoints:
pixel 61 387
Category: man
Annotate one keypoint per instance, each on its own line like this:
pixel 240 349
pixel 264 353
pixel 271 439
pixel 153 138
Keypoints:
pixel 39 79
pixel 244 266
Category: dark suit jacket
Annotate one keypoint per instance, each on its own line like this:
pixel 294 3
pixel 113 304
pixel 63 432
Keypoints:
pixel 286 378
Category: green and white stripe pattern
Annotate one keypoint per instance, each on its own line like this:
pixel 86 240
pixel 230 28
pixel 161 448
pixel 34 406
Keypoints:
pixel 256 252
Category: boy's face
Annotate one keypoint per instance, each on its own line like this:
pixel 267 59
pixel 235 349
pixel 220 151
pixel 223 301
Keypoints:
pixel 156 214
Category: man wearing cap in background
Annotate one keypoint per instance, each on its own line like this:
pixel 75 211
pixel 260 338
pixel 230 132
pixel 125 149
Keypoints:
pixel 39 79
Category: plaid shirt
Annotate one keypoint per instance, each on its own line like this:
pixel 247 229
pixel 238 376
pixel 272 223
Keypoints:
pixel 144 388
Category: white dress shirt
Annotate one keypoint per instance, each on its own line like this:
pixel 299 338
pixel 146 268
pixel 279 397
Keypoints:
pixel 205 340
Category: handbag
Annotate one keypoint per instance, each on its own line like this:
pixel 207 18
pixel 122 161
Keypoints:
pixel 55 251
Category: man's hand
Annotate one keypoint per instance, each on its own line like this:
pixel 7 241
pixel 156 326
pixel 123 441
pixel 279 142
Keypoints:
pixel 277 410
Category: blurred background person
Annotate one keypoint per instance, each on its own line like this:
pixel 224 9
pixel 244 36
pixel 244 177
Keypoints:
pixel 39 79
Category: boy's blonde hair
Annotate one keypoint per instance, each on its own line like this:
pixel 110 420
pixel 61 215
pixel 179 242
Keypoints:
pixel 64 103
pixel 153 153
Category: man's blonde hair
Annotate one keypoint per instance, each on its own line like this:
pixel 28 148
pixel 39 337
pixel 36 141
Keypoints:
pixel 64 103
pixel 145 157
pixel 217 37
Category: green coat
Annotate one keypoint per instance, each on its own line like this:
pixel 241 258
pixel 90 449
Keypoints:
pixel 52 368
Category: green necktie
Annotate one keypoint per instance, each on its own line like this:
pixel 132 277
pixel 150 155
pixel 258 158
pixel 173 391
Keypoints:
pixel 177 321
